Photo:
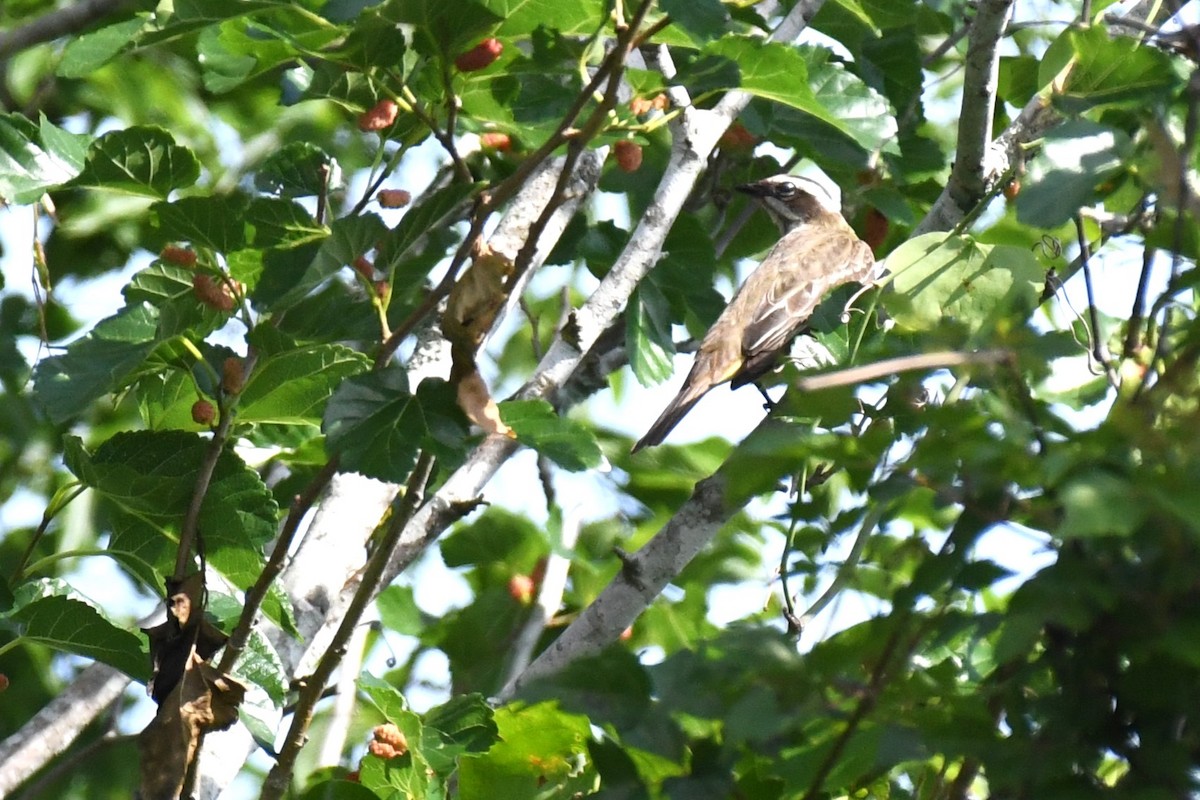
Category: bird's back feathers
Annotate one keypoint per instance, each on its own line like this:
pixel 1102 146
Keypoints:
pixel 815 255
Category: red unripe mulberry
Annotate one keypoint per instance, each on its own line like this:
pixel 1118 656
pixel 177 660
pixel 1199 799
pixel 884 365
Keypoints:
pixel 479 57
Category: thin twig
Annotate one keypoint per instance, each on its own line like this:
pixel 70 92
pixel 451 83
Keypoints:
pixel 280 776
pixel 866 703
pixel 1133 338
pixel 191 520
pixel 890 366
pixel 1085 257
pixel 255 595
pixel 1182 218
pixel 845 570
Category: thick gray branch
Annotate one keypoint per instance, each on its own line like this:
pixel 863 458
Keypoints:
pixel 55 727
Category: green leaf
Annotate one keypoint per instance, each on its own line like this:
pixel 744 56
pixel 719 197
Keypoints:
pixel 87 53
pixel 350 238
pixel 538 748
pixel 463 724
pixel 169 289
pixel 101 362
pixel 35 158
pixel 804 78
pixel 937 276
pixel 444 27
pixel 377 426
pixel 141 549
pixel 141 161
pixel 705 20
pixel 273 222
pixel 236 50
pixel 439 210
pixel 1108 71
pixel 852 107
pixel 1077 156
pixel 522 17
pixel 338 789
pixel 261 665
pixel 384 697
pixel 299 169
pixel 1099 503
pixel 648 336
pixel 73 626
pixel 291 387
pixel 152 475
pixel 567 443
pixel 399 612
pixel 217 223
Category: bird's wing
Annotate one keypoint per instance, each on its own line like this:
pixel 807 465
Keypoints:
pixel 796 275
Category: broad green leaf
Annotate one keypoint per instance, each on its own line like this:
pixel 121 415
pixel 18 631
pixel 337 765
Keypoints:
pixel 463 724
pixel 648 336
pixel 169 289
pixel 237 50
pixel 804 78
pixel 261 665
pixel 152 474
pixel 73 626
pixel 538 749
pixel 141 161
pixel 444 27
pixel 349 239
pixel 1099 503
pixel 439 210
pixel 399 612
pixel 611 688
pixel 497 537
pixel 101 362
pixel 703 20
pixel 208 221
pixel 685 274
pixel 566 443
pixel 292 387
pixel 141 549
pixel 338 789
pixel 275 222
pixel 384 696
pixel 892 63
pixel 1062 178
pixel 35 158
pixel 1107 70
pixel 377 426
pixel 849 105
pixel 87 53
pixel 935 277
pixel 522 17
pixel 373 41
pixel 299 169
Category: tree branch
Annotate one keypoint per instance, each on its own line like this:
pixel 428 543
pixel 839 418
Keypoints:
pixel 55 727
pixel 59 22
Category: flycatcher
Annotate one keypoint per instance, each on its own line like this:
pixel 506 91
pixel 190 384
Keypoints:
pixel 817 252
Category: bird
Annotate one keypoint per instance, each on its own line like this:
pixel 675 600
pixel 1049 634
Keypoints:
pixel 818 251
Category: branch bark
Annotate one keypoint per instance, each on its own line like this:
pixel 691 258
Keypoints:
pixel 55 727
pixel 59 22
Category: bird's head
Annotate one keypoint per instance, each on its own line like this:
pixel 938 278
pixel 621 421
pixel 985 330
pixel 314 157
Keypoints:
pixel 793 200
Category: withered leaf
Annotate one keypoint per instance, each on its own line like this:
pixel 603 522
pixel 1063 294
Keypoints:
pixel 204 700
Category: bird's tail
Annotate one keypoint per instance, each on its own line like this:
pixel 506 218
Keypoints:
pixel 669 418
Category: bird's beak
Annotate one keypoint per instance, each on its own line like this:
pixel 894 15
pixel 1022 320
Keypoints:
pixel 757 189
